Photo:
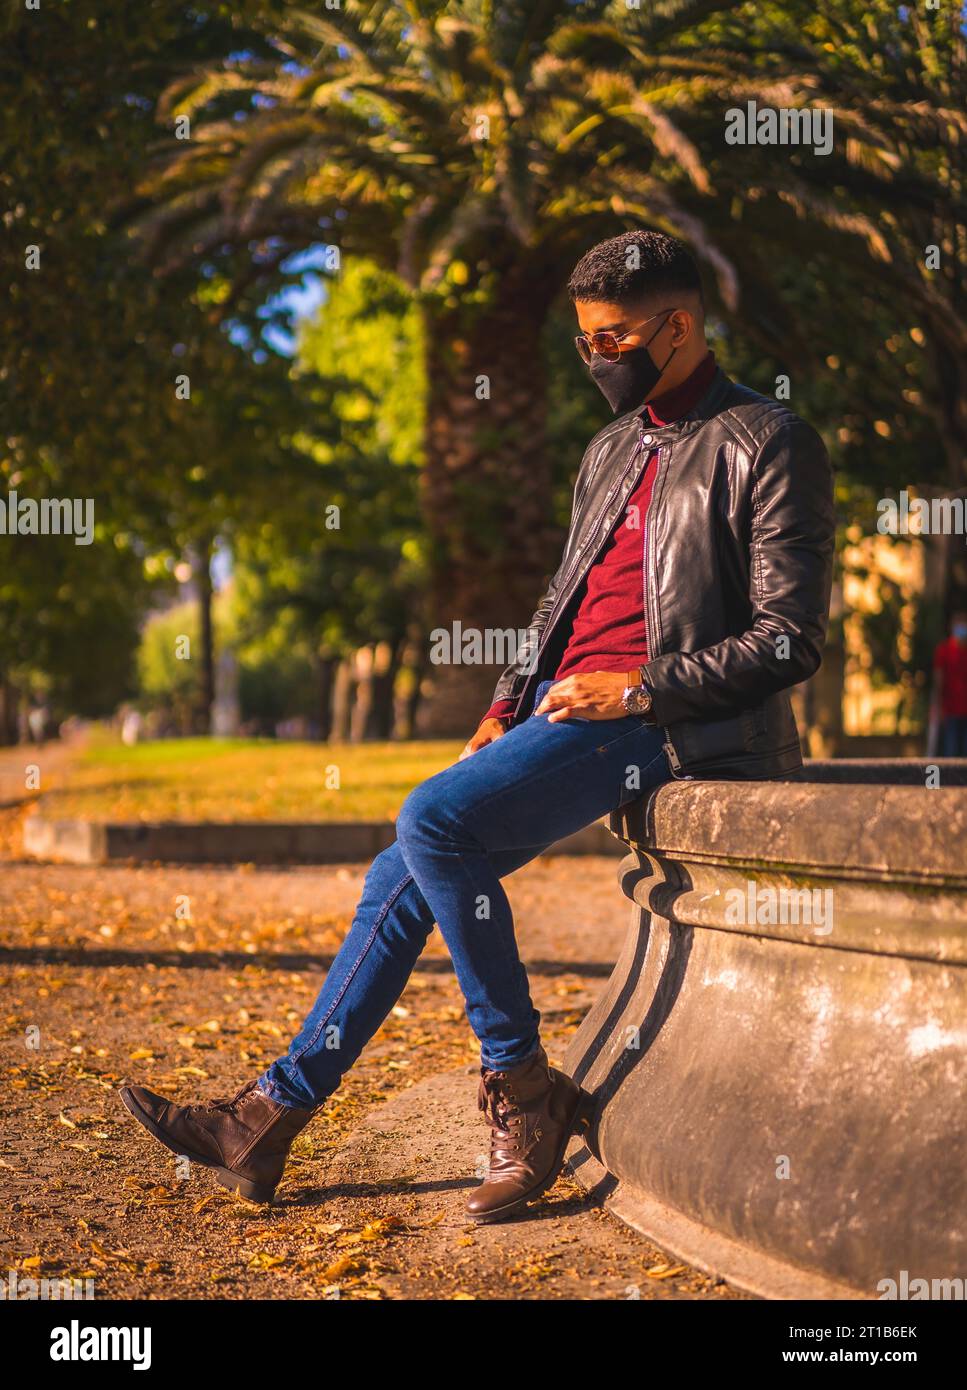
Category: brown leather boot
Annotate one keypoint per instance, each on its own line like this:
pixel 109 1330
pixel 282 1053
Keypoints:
pixel 532 1110
pixel 246 1140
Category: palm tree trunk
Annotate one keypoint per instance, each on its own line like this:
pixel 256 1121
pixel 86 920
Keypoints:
pixel 486 489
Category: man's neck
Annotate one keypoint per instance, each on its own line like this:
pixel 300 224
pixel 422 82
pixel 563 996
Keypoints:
pixel 675 401
pixel 681 368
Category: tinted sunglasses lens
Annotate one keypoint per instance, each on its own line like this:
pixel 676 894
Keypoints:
pixel 604 344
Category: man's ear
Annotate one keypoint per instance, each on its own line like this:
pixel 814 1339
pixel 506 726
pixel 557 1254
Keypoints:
pixel 683 326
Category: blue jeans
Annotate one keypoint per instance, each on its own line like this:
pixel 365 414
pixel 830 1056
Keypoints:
pixel 458 834
pixel 955 736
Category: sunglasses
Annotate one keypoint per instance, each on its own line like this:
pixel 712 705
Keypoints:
pixel 608 345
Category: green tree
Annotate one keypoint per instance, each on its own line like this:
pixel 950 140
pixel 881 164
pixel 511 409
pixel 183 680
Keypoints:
pixel 94 342
pixel 69 618
pixel 478 149
pixel 167 655
pixel 342 562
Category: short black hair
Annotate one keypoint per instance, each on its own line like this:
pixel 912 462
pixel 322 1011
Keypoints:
pixel 636 265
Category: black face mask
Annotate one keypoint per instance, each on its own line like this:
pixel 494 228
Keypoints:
pixel 625 383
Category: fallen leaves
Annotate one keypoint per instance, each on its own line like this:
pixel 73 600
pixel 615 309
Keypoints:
pixel 373 1230
pixel 263 1261
pixel 346 1264
pixel 665 1271
pixel 392 1227
pixel 102 1258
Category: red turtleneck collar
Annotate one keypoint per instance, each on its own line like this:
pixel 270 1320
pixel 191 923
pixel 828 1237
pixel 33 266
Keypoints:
pixel 664 410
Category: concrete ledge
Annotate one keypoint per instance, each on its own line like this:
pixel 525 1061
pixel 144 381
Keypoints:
pixel 73 841
pixel 915 834
pixel 778 1102
pixel 709 1250
pixel 895 771
pixel 256 842
pixel 81 841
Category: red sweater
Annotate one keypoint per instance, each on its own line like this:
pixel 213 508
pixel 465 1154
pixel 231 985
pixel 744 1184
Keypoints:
pixel 608 632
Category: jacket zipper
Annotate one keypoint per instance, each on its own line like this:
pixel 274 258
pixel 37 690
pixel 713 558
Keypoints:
pixel 650 582
pixel 649 574
pixel 673 759
pixel 559 605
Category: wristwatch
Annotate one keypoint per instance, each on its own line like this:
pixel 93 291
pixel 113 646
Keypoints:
pixel 636 699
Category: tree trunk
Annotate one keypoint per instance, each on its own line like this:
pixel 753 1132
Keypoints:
pixel 413 664
pixel 824 704
pixel 363 702
pixel 824 691
pixel 206 693
pixel 344 690
pixel 381 714
pixel 326 672
pixel 9 712
pixel 950 381
pixel 486 489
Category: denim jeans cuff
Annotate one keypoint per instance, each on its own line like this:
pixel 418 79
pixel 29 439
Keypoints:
pixel 508 1066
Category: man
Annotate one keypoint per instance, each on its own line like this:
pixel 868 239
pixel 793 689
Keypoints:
pixel 950 688
pixel 692 592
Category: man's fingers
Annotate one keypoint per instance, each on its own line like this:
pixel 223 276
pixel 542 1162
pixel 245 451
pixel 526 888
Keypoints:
pixel 476 744
pixel 552 700
pixel 558 695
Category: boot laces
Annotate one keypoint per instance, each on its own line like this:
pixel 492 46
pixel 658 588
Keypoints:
pixel 498 1102
pixel 231 1101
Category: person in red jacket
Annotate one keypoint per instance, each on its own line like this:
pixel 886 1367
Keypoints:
pixel 950 688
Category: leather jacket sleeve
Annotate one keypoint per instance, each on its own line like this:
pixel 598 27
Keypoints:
pixel 792 530
pixel 512 677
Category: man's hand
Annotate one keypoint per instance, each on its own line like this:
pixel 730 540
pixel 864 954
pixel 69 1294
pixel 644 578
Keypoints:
pixel 488 731
pixel 596 695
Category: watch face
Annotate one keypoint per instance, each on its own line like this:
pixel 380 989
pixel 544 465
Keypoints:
pixel 637 700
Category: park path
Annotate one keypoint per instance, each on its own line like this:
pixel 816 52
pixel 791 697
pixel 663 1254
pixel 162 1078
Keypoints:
pixel 51 758
pixel 103 978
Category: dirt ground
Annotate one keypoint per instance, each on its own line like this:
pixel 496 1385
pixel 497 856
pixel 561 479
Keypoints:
pixel 104 978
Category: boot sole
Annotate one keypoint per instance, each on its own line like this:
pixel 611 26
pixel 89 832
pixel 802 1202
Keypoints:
pixel 244 1187
pixel 580 1120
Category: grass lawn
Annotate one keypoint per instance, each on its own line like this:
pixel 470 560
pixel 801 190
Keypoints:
pixel 200 779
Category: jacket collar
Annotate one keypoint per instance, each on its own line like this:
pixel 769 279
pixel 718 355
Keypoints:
pixel 706 408
pixel 675 404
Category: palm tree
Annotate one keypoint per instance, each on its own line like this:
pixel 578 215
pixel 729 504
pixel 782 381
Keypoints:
pixel 477 149
pixel 891 187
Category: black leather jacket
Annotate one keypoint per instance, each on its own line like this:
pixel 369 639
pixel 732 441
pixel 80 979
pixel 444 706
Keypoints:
pixel 738 557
